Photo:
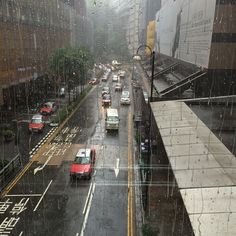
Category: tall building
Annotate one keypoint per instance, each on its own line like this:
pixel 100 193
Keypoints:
pixel 128 12
pixel 147 12
pixel 30 31
pixel 201 33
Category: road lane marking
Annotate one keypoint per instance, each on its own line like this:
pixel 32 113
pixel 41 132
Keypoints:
pixel 24 195
pixel 88 210
pixel 86 202
pixel 130 178
pixel 39 168
pixel 42 195
pixel 116 169
pixel 34 157
pixel 21 233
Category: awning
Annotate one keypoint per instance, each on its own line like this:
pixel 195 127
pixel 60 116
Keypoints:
pixel 205 170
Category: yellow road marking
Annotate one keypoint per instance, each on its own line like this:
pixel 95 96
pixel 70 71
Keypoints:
pixel 40 151
pixel 130 179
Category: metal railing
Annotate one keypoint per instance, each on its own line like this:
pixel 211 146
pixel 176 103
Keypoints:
pixel 9 171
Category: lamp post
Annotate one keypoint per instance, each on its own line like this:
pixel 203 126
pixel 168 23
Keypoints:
pixel 137 57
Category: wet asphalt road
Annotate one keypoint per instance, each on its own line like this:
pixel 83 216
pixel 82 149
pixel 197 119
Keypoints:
pixel 45 202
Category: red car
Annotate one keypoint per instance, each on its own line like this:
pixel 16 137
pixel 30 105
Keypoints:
pixel 48 108
pixel 94 81
pixel 36 124
pixel 83 164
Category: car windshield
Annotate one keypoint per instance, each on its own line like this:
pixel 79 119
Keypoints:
pixel 82 160
pixel 36 120
pixel 113 118
pixel 106 97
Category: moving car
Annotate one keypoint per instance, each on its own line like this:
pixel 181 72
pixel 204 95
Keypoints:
pixel 83 164
pixel 125 98
pixel 118 87
pixel 106 100
pixel 94 81
pixel 121 73
pixel 48 108
pixel 36 124
pixel 115 78
pixel 104 78
pixel 105 90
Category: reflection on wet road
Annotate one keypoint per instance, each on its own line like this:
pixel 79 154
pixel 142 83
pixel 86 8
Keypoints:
pixel 46 202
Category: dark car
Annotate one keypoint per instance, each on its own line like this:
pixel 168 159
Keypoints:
pixel 118 87
pixel 83 165
pixel 106 100
pixel 105 90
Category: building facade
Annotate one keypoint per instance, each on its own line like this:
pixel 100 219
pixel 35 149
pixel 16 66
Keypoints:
pixel 201 33
pixel 30 32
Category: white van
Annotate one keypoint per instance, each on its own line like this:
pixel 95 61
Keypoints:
pixel 112 119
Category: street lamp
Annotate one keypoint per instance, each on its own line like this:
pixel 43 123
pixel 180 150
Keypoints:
pixel 138 57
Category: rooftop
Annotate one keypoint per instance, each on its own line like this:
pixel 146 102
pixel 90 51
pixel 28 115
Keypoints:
pixel 205 170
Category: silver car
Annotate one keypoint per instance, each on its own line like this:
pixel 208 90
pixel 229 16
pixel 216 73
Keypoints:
pixel 125 98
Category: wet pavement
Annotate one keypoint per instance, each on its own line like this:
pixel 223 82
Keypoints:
pixel 45 202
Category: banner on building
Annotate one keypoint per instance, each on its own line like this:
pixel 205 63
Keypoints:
pixel 150 36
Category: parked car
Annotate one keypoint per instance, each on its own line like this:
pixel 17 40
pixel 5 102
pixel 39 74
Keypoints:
pixel 36 124
pixel 125 98
pixel 106 100
pixel 94 81
pixel 48 108
pixel 118 87
pixel 105 90
pixel 83 164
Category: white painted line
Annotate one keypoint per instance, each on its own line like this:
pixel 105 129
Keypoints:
pixel 116 169
pixel 31 156
pixel 24 195
pixel 89 192
pixel 64 130
pixel 41 167
pixel 87 212
pixel 77 234
pixel 42 196
pixel 21 233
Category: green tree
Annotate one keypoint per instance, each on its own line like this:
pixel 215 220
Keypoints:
pixel 71 66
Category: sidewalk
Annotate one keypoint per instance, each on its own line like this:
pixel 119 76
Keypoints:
pixel 164 211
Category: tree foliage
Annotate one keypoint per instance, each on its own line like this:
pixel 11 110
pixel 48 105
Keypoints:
pixel 68 64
